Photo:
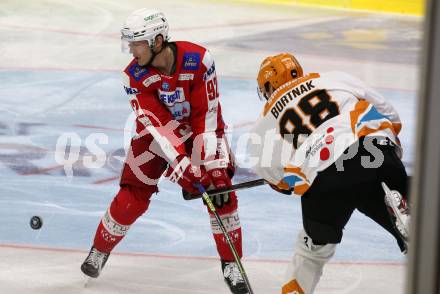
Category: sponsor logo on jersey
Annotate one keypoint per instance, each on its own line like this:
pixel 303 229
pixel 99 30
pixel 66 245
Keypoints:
pixel 289 96
pixel 186 77
pixel 180 110
pixel 191 61
pixel 324 154
pixel 329 139
pixel 172 97
pixel 150 80
pixel 137 71
pixel 209 72
pixel 315 146
pixel 131 91
pixel 165 86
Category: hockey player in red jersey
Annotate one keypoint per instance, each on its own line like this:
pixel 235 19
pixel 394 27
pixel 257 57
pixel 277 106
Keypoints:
pixel 173 89
pixel 341 138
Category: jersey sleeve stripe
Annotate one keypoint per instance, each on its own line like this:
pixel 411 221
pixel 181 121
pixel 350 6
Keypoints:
pixel 365 131
pixel 301 189
pixel 295 170
pixel 359 109
pixel 397 127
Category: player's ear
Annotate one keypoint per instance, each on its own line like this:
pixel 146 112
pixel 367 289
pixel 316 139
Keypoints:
pixel 158 42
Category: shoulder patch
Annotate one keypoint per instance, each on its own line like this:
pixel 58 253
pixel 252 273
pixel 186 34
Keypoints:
pixel 137 71
pixel 191 61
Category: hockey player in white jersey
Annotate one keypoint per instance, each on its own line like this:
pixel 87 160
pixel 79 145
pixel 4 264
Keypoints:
pixel 334 141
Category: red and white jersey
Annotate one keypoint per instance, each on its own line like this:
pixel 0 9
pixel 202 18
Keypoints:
pixel 189 97
pixel 308 123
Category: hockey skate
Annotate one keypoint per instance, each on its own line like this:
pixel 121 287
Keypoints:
pixel 233 278
pixel 399 211
pixel 94 263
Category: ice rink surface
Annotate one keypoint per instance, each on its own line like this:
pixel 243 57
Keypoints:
pixel 60 75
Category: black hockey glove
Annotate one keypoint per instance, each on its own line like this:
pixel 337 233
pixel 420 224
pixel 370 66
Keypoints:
pixel 220 180
pixel 282 191
pixel 218 200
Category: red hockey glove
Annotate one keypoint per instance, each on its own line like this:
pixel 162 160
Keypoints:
pixel 220 180
pixel 186 174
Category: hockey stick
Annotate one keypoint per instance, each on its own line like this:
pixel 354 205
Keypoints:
pixel 240 186
pixel 244 185
pixel 225 234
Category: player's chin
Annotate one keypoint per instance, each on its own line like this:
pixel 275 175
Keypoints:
pixel 143 61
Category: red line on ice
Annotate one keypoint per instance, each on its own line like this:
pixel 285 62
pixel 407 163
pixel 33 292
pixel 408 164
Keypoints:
pixel 116 35
pixel 42 170
pixel 140 254
pixel 105 180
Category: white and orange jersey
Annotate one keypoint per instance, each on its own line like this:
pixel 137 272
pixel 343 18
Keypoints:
pixel 308 123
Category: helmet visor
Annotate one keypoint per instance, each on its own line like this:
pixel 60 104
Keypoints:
pixel 128 36
pixel 125 46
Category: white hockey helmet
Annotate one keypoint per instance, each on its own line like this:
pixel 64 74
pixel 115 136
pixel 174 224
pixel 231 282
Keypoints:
pixel 143 25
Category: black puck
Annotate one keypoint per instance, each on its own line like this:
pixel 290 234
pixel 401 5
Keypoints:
pixel 36 222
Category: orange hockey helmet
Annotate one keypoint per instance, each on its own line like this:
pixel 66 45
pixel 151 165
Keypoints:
pixel 276 71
